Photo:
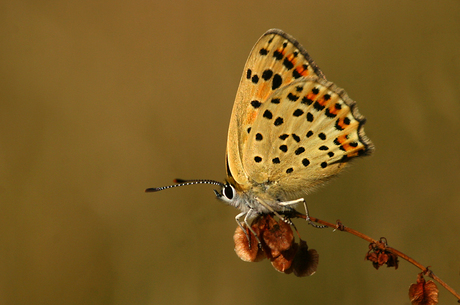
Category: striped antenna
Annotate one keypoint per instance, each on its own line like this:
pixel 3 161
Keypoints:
pixel 181 182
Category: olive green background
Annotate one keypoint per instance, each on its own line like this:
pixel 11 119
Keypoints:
pixel 101 99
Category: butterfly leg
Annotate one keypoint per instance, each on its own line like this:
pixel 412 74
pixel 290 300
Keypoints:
pixel 248 214
pixel 286 220
pixel 294 202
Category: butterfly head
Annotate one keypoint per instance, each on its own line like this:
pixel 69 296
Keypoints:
pixel 227 192
pixel 231 196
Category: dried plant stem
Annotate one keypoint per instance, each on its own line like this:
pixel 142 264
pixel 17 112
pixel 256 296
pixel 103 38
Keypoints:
pixel 339 226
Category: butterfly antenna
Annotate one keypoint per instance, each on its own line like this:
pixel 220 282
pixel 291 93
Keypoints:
pixel 181 182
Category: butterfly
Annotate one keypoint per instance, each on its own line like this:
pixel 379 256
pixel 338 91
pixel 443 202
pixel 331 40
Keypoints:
pixel 291 130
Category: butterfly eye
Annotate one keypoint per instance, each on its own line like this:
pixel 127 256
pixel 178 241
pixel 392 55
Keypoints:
pixel 228 191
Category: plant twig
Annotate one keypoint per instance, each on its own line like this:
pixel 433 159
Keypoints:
pixel 339 226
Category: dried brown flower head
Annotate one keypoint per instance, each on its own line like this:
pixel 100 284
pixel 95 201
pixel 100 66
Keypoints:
pixel 379 255
pixel 423 293
pixel 278 245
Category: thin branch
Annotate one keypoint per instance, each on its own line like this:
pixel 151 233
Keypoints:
pixel 339 226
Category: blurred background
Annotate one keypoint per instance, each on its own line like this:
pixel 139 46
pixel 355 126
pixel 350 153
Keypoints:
pixel 102 99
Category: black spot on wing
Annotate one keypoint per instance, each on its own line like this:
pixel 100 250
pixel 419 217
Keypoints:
pixel 278 55
pixel 283 136
pixel 267 74
pixel 248 74
pixel 288 64
pixel 263 52
pixel 296 137
pixel 305 162
pixel 292 97
pixel 322 136
pixel 329 114
pixel 256 104
pixel 298 112
pixel 277 81
pixel 299 150
pixel 267 114
pixel 306 101
pixel 279 121
pixel 318 106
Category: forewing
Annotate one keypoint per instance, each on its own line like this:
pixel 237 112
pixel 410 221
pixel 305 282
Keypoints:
pixel 275 61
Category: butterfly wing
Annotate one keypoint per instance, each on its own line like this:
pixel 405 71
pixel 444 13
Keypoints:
pixel 275 61
pixel 304 134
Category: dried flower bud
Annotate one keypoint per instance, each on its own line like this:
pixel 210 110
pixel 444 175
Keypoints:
pixel 277 244
pixel 278 236
pixel 305 261
pixel 284 260
pixel 423 293
pixel 379 255
pixel 242 249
